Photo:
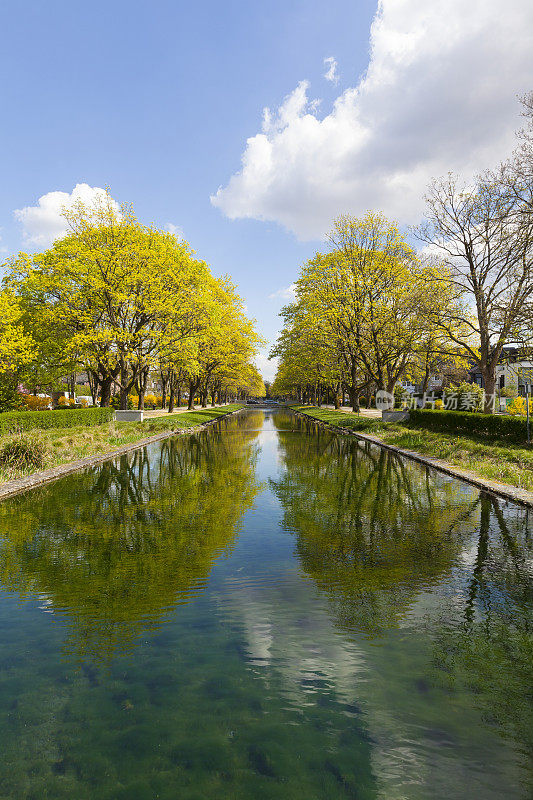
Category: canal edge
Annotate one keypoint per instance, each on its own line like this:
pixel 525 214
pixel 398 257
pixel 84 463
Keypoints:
pixel 20 485
pixel 512 493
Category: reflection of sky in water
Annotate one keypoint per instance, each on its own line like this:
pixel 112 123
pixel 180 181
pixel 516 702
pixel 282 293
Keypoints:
pixel 253 578
pixel 291 642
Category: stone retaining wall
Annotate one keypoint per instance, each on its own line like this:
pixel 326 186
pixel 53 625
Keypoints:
pixel 521 496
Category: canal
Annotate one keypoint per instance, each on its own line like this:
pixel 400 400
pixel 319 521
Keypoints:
pixel 264 609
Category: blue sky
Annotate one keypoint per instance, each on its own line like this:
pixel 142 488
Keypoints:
pixel 157 101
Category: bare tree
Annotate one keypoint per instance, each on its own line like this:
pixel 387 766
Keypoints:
pixel 484 236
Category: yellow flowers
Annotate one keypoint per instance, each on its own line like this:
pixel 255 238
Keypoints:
pixel 517 406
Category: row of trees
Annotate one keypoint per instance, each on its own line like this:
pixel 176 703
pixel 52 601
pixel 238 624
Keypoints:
pixel 124 303
pixel 372 311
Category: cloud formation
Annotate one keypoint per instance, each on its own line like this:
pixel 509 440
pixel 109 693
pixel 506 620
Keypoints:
pixel 439 94
pixel 266 367
pixel 43 223
pixel 285 293
pixel 176 231
pixel 331 72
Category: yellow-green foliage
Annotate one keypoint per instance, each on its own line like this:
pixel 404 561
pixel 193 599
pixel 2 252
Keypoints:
pixel 517 406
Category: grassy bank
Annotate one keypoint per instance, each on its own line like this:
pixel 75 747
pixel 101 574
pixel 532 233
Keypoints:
pixel 63 445
pixel 494 458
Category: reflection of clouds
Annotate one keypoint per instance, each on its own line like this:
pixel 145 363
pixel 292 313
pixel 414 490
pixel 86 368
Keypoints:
pixel 468 556
pixel 293 646
pixel 46 602
pixel 258 633
pixel 297 644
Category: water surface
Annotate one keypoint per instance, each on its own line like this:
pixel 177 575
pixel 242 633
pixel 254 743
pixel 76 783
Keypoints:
pixel 264 609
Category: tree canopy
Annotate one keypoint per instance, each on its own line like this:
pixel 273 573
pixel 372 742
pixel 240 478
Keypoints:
pixel 122 300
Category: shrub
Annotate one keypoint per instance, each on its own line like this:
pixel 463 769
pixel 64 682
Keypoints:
pixel 401 397
pixel 494 425
pixel 12 421
pixel 517 406
pixel 33 403
pixel 23 452
pixel 469 396
pixel 10 398
pixel 509 391
pixel 150 401
pixel 66 402
pixel 439 405
pixel 131 401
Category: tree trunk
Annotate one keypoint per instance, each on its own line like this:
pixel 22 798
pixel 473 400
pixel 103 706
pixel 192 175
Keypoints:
pixel 489 379
pixel 171 398
pixel 354 399
pixel 94 383
pixel 142 380
pixel 123 398
pixel 193 386
pixel 425 382
pixel 105 393
pixel 164 384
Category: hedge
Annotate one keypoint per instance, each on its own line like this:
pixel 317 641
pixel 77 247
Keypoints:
pixel 12 421
pixel 513 429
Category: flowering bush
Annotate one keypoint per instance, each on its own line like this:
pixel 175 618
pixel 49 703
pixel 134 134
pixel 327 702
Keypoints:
pixel 150 401
pixel 517 406
pixel 33 403
pixel 65 402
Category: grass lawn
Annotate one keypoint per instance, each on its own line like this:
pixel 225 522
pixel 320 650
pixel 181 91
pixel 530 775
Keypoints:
pixel 64 445
pixel 494 459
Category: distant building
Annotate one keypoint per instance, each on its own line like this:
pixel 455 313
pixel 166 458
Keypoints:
pixel 512 361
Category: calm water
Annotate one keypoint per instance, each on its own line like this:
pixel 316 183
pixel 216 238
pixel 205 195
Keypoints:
pixel 264 610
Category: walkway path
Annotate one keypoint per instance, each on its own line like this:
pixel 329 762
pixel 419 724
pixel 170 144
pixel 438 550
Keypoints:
pixel 160 412
pixel 372 413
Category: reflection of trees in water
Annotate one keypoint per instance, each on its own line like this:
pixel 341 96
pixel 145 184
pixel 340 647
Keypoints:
pixel 372 529
pixel 375 532
pixel 117 546
pixel 484 641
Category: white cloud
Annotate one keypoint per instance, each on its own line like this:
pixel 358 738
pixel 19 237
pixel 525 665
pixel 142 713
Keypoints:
pixel 44 223
pixel 266 368
pixel 439 94
pixel 176 231
pixel 331 72
pixel 285 293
